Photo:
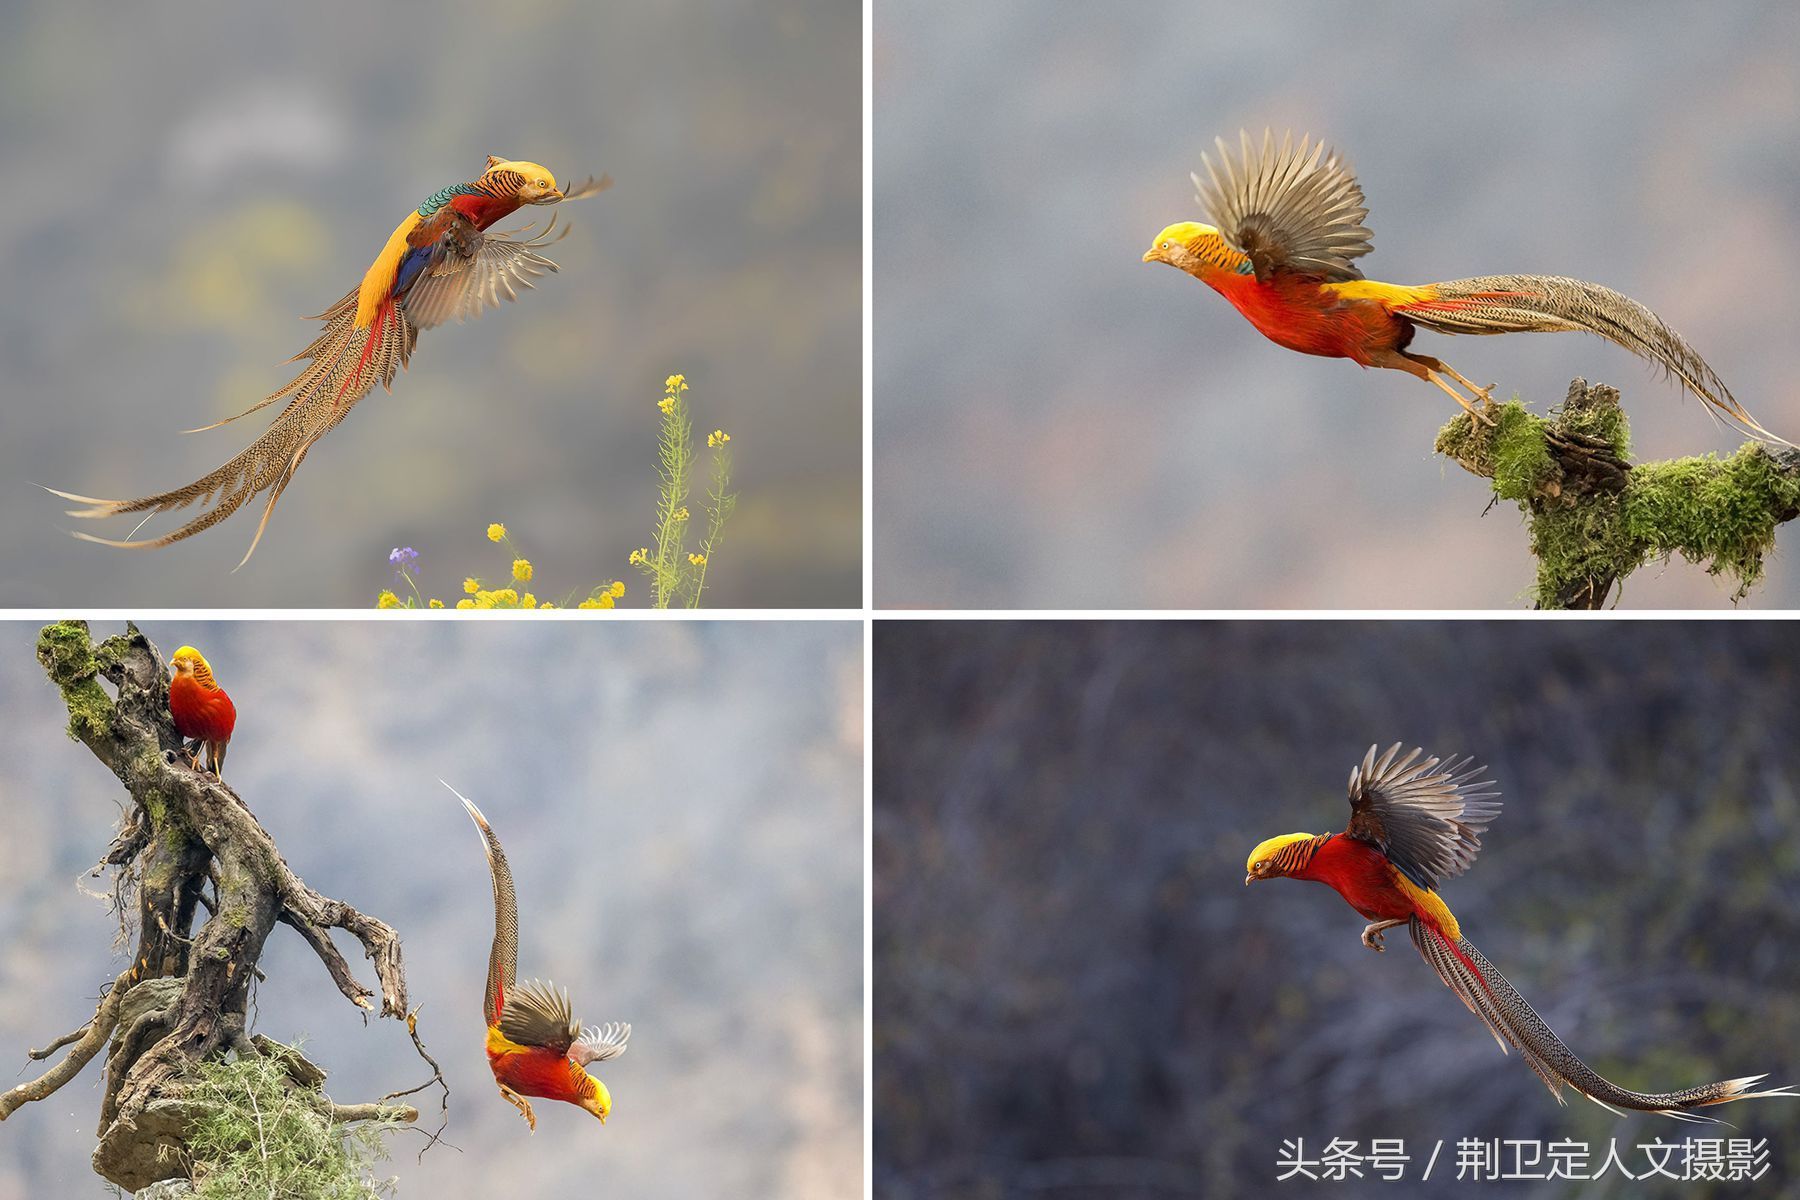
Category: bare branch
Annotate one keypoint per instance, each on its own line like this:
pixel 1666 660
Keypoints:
pixel 88 1045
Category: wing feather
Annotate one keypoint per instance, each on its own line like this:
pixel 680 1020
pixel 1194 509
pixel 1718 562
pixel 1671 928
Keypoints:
pixel 1288 208
pixel 1426 814
pixel 460 285
pixel 539 1014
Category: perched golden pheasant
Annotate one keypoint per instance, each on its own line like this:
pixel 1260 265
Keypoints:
pixel 200 708
pixel 1415 821
pixel 1288 222
pixel 535 1046
pixel 438 264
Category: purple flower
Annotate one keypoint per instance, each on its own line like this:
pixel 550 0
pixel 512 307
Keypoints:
pixel 404 559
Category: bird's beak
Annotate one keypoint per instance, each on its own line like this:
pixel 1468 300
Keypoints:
pixel 1153 255
pixel 1248 879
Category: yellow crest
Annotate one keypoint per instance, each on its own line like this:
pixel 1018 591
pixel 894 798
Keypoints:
pixel 1185 233
pixel 1269 849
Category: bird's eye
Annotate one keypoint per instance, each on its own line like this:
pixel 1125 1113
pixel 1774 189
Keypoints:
pixel 1168 245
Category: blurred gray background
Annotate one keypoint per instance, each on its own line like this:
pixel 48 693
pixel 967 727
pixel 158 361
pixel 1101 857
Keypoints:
pixel 1075 994
pixel 1059 425
pixel 682 807
pixel 182 186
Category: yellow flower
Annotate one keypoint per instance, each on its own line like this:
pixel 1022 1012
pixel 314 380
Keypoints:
pixel 496 532
pixel 589 603
pixel 528 601
pixel 485 599
pixel 471 586
pixel 522 570
pixel 617 589
pixel 506 596
pixel 387 600
pixel 675 383
pixel 666 403
pixel 546 604
pixel 697 559
pixel 717 437
pixel 681 514
pixel 437 604
pixel 465 604
pixel 638 556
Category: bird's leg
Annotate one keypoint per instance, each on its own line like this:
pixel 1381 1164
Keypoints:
pixel 1372 933
pixel 193 752
pixel 1475 414
pixel 1423 366
pixel 1484 394
pixel 517 1101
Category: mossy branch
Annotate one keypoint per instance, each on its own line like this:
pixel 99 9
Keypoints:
pixel 1594 516
pixel 180 1009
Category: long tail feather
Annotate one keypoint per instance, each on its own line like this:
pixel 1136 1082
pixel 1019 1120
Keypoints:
pixel 1513 1022
pixel 346 364
pixel 503 959
pixel 1552 303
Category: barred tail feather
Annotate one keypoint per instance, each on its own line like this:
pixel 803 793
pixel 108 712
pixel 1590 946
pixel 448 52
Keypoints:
pixel 503 958
pixel 1552 303
pixel 1515 1023
pixel 346 363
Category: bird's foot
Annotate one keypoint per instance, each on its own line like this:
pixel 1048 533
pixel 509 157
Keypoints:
pixel 517 1101
pixel 1373 933
pixel 1476 414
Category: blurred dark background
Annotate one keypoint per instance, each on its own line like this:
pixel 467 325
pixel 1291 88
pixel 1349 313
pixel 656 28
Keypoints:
pixel 1075 995
pixel 182 185
pixel 1058 425
pixel 681 803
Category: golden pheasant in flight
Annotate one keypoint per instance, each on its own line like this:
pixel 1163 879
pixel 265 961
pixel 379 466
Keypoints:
pixel 1287 225
pixel 438 264
pixel 1415 821
pixel 535 1046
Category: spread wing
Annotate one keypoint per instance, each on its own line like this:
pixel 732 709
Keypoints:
pixel 599 1043
pixel 1289 209
pixel 538 1014
pixel 473 271
pixel 1426 816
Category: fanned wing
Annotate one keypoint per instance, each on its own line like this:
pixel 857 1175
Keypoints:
pixel 600 1042
pixel 538 1014
pixel 474 271
pixel 1426 815
pixel 1289 208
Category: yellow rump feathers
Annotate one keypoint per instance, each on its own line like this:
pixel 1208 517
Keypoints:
pixel 379 278
pixel 1430 903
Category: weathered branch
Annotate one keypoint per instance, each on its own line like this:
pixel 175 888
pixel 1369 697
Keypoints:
pixel 183 1000
pixel 1595 517
pixel 88 1041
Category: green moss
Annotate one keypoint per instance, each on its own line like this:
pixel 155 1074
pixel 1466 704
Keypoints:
pixel 1603 422
pixel 67 653
pixel 1522 462
pixel 1721 514
pixel 1576 543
